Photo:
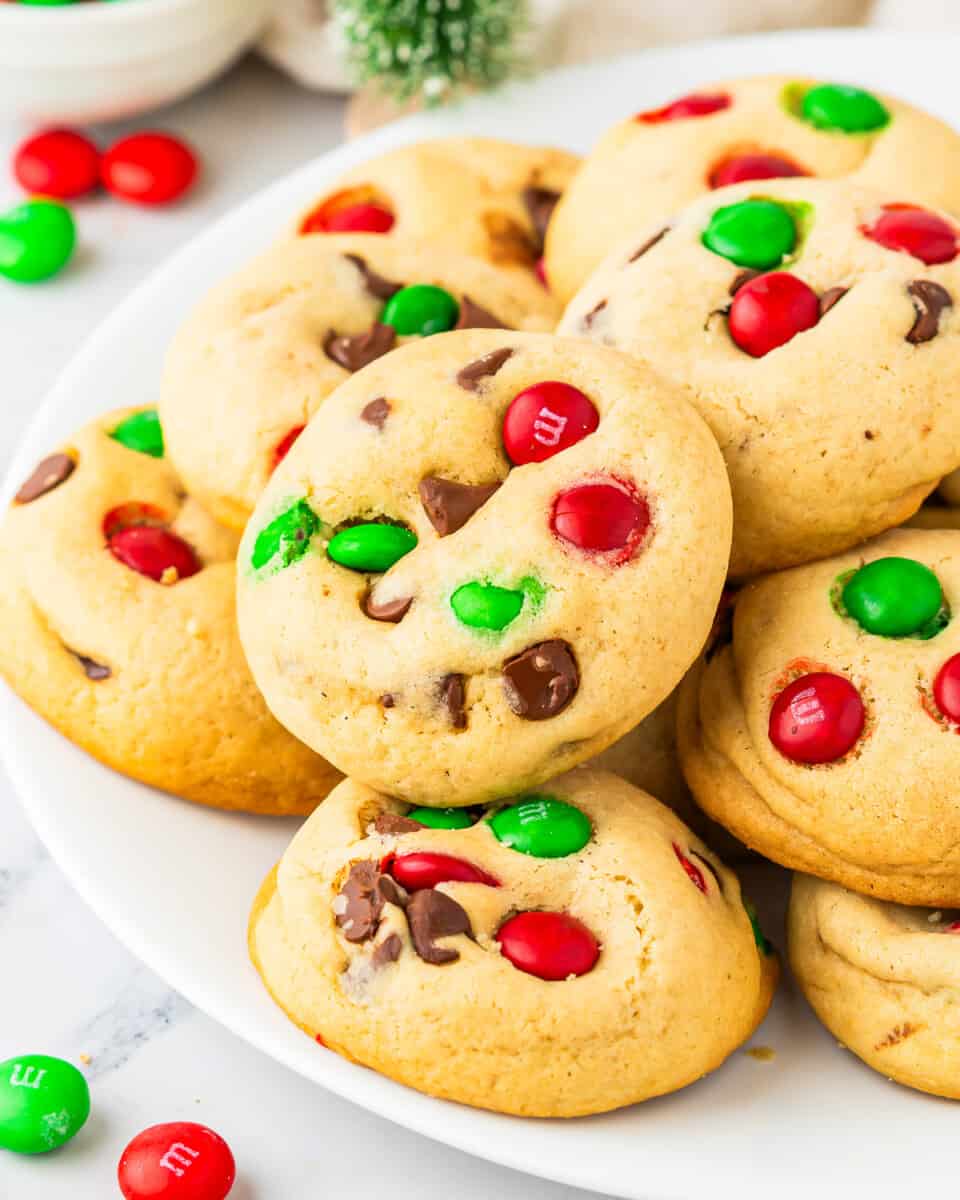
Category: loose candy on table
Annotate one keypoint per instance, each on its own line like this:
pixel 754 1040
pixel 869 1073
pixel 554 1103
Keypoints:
pixel 372 547
pixel 141 431
pixel 606 517
pixel 741 168
pixel 770 310
pixel 915 231
pixel 44 1102
pixel 420 310
pixel 551 945
pixel 155 552
pixel 178 1161
pixel 894 597
pixel 752 233
pixel 58 163
pixel 839 108
pixel 698 104
pixel 545 419
pixel 36 240
pixel 149 168
pixel 817 719
pixel 542 826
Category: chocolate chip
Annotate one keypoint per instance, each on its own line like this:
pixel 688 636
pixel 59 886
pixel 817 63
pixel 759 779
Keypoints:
pixel 376 412
pixel 92 670
pixel 594 312
pixel 388 700
pixel 929 299
pixel 540 203
pixel 389 610
pixel 390 823
pixel 470 376
pixel 741 278
pixel 450 505
pixel 391 892
pixel 387 951
pixel 648 244
pixel 376 285
pixel 542 680
pixel 453 695
pixel 830 298
pixel 434 915
pixel 361 902
pixel 360 349
pixel 472 316
pixel 47 475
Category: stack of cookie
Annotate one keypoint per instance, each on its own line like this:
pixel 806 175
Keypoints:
pixel 388 523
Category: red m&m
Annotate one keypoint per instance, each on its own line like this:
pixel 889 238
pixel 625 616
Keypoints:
pixel 946 689
pixel 59 163
pixel 817 719
pixel 691 868
pixel 178 1161
pixel 550 945
pixel 911 230
pixel 740 168
pixel 155 552
pixel 605 516
pixel 282 448
pixel 353 210
pixel 770 310
pixel 546 418
pixel 424 870
pixel 149 168
pixel 699 104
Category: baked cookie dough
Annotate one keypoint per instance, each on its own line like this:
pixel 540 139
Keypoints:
pixel 477 196
pixel 825 734
pixel 535 958
pixel 266 347
pixel 450 581
pixel 117 610
pixel 654 163
pixel 884 979
pixel 814 324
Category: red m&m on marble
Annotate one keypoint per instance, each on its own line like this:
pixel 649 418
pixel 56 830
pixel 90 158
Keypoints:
pixel 155 552
pixel 58 162
pixel 550 945
pixel 770 310
pixel 699 104
pixel 606 516
pixel 740 168
pixel 546 418
pixel 177 1161
pixel 911 230
pixel 817 719
pixel 149 168
pixel 946 689
pixel 425 870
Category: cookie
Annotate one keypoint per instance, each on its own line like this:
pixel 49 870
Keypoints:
pixel 651 165
pixel 813 323
pixel 449 629
pixel 117 606
pixel 265 348
pixel 476 196
pixel 824 735
pixel 884 979
pixel 534 958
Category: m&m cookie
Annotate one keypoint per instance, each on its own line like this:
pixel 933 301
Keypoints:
pixel 266 347
pixel 815 326
pixel 883 978
pixel 477 196
pixel 449 582
pixel 564 952
pixel 825 733
pixel 117 606
pixel 658 160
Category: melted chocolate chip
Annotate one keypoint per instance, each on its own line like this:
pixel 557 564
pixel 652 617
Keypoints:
pixel 376 412
pixel 434 915
pixel 392 611
pixel 363 903
pixel 391 892
pixel 453 695
pixel 387 951
pixel 540 203
pixel 450 505
pixel 648 244
pixel 594 312
pixel 830 298
pixel 472 316
pixel 46 476
pixel 388 700
pixel 376 285
pixel 389 823
pixel 741 278
pixel 353 351
pixel 471 376
pixel 542 680
pixel 929 299
pixel 93 670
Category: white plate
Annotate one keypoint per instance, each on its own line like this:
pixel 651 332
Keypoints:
pixel 175 881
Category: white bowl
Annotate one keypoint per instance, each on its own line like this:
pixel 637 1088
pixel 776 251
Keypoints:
pixel 103 61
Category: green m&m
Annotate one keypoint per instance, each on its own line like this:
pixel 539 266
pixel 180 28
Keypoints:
pixel 542 826
pixel 287 538
pixel 893 597
pixel 420 310
pixel 44 1102
pixel 141 432
pixel 758 935
pixel 753 233
pixel 442 818
pixel 838 108
pixel 36 240
pixel 486 606
pixel 373 547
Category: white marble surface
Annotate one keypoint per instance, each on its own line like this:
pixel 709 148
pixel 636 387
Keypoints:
pixel 67 986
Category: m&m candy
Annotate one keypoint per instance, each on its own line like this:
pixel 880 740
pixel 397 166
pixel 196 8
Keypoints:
pixel 442 818
pixel 287 538
pixel 946 689
pixel 155 552
pixel 149 168
pixel 740 168
pixel 36 240
pixel 770 310
pixel 355 218
pixel 425 870
pixel 915 231
pixel 817 719
pixel 420 310
pixel 44 1102
pixel 372 547
pixel 842 109
pixel 141 431
pixel 893 597
pixel 604 517
pixel 752 233
pixel 544 419
pixel 486 606
pixel 699 104
pixel 282 448
pixel 550 945
pixel 60 163
pixel 542 826
pixel 693 871
pixel 178 1161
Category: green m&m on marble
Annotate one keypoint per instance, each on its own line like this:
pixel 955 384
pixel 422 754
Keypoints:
pixel 287 538
pixel 372 547
pixel 44 1102
pixel 752 233
pixel 839 108
pixel 542 826
pixel 486 606
pixel 442 818
pixel 141 431
pixel 894 597
pixel 36 240
pixel 420 310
